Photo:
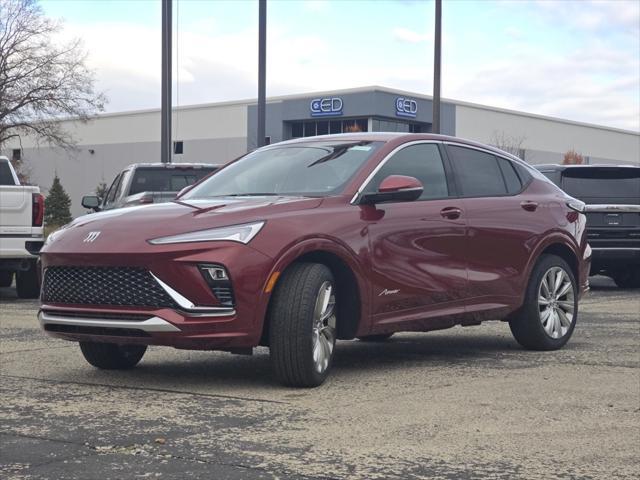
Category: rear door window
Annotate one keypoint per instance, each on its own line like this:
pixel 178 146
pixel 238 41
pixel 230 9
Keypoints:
pixel 422 161
pixel 477 172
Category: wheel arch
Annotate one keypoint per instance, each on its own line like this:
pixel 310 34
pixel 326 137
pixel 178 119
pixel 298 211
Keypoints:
pixel 351 290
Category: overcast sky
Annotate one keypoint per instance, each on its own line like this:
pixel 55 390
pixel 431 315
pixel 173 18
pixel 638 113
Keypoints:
pixel 578 60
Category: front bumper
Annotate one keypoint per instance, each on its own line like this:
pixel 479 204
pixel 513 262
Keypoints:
pixel 195 320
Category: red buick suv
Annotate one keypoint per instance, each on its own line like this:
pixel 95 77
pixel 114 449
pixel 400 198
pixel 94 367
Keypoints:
pixel 303 242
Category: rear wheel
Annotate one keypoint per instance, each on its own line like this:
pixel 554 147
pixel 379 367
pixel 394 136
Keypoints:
pixel 629 278
pixel 376 338
pixel 550 310
pixel 110 356
pixel 302 325
pixel 6 278
pixel 28 282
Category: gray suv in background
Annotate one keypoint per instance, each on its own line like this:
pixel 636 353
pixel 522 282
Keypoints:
pixel 612 197
pixel 143 183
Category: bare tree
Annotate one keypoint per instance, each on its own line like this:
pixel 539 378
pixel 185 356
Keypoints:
pixel 509 143
pixel 41 80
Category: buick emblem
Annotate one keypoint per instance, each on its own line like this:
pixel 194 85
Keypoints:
pixel 91 237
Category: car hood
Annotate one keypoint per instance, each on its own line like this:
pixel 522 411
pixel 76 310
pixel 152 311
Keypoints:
pixel 128 228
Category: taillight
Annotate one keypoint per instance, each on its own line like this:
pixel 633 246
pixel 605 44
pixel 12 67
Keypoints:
pixel 37 210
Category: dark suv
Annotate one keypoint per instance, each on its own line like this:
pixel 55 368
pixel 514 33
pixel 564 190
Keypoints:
pixel 300 243
pixel 612 197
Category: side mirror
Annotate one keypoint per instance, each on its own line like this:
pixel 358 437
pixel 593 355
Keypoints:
pixel 91 202
pixel 395 188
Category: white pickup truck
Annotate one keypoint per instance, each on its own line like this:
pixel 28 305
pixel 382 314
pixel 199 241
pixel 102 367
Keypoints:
pixel 21 232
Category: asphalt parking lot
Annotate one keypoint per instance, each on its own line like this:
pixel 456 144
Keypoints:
pixel 454 404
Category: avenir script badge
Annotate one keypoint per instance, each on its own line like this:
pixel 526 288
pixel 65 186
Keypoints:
pixel 387 292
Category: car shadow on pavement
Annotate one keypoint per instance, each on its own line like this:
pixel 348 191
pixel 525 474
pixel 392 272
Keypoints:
pixel 201 370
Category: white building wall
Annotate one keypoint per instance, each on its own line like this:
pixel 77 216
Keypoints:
pixel 211 134
pixel 545 139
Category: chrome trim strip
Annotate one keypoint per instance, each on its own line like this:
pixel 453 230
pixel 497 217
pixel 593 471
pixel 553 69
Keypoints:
pixel 635 249
pixel 612 208
pixel 189 307
pixel 385 160
pixel 153 324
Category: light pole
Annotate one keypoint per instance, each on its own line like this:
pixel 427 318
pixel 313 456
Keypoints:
pixel 262 70
pixel 165 110
pixel 436 68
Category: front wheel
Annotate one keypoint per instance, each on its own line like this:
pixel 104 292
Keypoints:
pixel 110 356
pixel 550 310
pixel 302 325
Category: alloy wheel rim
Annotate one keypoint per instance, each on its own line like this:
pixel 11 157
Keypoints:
pixel 324 327
pixel 556 303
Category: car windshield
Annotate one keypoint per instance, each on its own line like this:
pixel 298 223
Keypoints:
pixel 308 169
pixel 162 179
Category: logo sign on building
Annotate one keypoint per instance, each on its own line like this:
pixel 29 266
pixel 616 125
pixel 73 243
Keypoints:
pixel 326 107
pixel 406 107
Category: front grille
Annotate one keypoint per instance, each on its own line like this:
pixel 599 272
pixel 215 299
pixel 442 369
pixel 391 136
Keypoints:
pixel 119 286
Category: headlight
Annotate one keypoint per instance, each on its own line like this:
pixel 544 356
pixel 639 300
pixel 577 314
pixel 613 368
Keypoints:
pixel 234 233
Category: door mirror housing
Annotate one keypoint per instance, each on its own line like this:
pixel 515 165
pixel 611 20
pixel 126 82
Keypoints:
pixel 91 202
pixel 395 188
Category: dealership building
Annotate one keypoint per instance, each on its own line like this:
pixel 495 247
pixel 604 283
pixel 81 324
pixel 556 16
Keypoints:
pixel 219 132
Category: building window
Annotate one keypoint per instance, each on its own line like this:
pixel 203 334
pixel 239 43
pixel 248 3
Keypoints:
pixel 16 154
pixel 178 147
pixel 324 127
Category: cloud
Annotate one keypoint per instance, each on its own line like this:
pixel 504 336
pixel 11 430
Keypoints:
pixel 409 36
pixel 596 80
pixel 316 5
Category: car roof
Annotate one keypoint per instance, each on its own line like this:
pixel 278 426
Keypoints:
pixel 389 136
pixel 172 165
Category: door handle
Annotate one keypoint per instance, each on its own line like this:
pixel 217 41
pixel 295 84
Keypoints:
pixel 529 206
pixel 451 213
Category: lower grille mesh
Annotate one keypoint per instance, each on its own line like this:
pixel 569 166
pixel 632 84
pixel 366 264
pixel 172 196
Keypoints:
pixel 121 286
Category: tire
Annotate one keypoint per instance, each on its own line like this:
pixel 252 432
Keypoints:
pixel 629 278
pixel 28 282
pixel 302 321
pixel 6 278
pixel 376 338
pixel 546 320
pixel 110 356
